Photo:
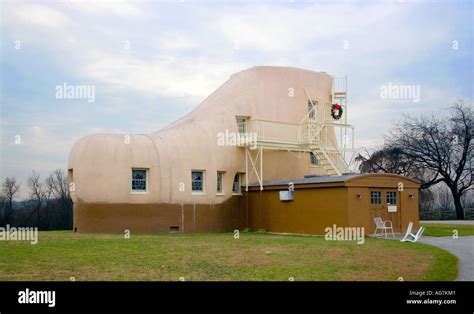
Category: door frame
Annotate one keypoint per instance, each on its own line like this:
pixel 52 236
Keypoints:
pixel 397 222
pixel 381 210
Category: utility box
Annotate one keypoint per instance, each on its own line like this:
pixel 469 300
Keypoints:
pixel 286 196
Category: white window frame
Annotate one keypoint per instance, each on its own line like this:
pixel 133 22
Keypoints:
pixel 377 198
pixel 311 160
pixel 391 196
pixel 239 192
pixel 312 109
pixel 147 172
pixel 203 191
pixel 239 120
pixel 222 182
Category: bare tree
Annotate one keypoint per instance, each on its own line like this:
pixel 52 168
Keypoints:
pixel 389 159
pixel 48 199
pixel 468 199
pixel 10 189
pixel 444 198
pixel 441 148
pixel 37 193
pixel 427 200
pixel 386 159
pixel 58 185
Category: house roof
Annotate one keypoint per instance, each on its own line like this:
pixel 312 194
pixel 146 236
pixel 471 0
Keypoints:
pixel 342 180
pixel 308 180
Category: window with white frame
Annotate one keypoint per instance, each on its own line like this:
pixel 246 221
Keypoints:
pixel 139 180
pixel 197 181
pixel 241 124
pixel 375 197
pixel 312 109
pixel 391 198
pixel 236 184
pixel 314 159
pixel 220 179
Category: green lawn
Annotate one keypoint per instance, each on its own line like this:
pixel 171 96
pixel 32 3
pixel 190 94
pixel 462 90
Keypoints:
pixel 444 230
pixel 60 255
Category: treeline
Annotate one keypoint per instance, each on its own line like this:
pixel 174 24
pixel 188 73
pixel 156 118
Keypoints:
pixel 48 207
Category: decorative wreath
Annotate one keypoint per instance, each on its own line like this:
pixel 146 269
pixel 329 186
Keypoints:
pixel 336 111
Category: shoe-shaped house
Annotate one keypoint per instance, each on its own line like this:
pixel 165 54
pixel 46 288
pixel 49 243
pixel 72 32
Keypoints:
pixel 264 123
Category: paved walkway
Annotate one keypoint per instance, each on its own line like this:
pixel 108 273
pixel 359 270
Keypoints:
pixel 449 222
pixel 462 247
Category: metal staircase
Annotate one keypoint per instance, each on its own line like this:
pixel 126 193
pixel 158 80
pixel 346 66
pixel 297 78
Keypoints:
pixel 317 133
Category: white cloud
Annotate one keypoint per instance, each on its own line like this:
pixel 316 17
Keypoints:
pixel 275 28
pixel 117 7
pixel 40 15
pixel 37 132
pixel 174 41
pixel 167 76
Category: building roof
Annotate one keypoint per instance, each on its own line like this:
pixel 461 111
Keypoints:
pixel 332 180
pixel 308 180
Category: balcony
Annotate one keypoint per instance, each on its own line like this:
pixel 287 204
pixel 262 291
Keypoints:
pixel 339 87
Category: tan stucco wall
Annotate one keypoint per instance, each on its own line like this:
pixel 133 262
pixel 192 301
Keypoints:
pixel 101 163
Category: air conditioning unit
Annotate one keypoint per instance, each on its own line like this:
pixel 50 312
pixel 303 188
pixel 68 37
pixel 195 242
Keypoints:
pixel 286 196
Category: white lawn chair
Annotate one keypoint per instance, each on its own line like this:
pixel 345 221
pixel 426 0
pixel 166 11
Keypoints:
pixel 409 236
pixel 383 226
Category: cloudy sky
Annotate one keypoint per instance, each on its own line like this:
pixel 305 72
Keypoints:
pixel 153 61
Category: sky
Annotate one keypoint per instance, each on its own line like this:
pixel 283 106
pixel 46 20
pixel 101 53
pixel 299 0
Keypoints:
pixel 151 62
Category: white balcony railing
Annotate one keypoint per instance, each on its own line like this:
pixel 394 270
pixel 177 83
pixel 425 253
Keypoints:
pixel 339 85
pixel 279 132
pixel 313 134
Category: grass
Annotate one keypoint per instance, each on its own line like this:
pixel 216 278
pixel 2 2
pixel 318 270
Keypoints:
pixel 60 255
pixel 444 230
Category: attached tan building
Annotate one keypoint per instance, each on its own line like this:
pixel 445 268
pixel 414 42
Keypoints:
pixel 319 202
pixel 264 123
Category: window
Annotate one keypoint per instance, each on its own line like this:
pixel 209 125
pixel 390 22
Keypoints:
pixel 241 124
pixel 139 180
pixel 220 178
pixel 312 110
pixel 236 184
pixel 197 181
pixel 70 180
pixel 392 198
pixel 375 197
pixel 314 159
